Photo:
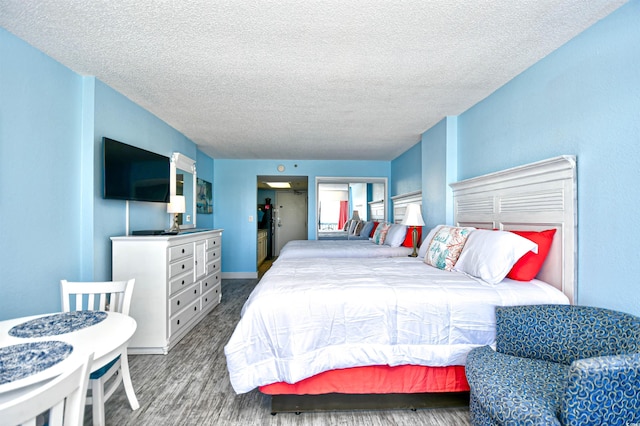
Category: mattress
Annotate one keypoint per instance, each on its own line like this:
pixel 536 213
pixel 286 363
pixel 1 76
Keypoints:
pixel 311 315
pixel 299 249
pixel 340 235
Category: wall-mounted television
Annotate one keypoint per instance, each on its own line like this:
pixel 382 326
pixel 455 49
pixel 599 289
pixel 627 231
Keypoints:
pixel 132 173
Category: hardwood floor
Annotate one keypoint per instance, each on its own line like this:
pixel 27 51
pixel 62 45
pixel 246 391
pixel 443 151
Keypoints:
pixel 190 385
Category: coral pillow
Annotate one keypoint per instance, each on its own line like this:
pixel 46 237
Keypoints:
pixel 408 241
pixel 375 226
pixel 529 265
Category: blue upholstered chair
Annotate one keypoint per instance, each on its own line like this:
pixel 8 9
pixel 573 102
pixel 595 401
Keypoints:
pixel 557 365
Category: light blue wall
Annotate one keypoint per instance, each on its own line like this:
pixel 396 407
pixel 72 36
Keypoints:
pixel 583 99
pixel 406 170
pixel 51 126
pixel 439 169
pixel 235 195
pixel 204 170
pixel 40 127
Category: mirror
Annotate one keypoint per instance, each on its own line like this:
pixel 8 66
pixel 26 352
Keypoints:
pixel 183 182
pixel 339 197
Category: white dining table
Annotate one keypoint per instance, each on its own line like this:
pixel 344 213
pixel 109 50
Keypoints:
pixel 106 339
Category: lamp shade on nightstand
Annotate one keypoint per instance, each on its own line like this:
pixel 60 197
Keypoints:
pixel 413 218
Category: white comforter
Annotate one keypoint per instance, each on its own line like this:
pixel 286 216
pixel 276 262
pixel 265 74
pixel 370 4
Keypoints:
pixel 340 248
pixel 311 315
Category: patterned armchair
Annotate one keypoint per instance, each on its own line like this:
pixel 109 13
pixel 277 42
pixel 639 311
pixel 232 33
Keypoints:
pixel 557 365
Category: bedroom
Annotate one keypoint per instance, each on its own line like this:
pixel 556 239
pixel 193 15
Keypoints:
pixel 582 99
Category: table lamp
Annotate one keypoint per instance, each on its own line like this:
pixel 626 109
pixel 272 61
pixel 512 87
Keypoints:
pixel 176 206
pixel 413 218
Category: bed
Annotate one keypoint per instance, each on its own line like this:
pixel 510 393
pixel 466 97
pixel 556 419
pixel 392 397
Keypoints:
pixel 421 321
pixel 340 244
pixel 302 249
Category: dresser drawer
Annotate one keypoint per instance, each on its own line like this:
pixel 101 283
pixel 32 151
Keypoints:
pixel 210 281
pixel 180 300
pixel 213 254
pixel 180 267
pixel 180 320
pixel 211 298
pixel 178 252
pixel 213 267
pixel 214 243
pixel 180 283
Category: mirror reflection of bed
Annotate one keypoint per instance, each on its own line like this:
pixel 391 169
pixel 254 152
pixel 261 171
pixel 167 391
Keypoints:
pixel 342 198
pixel 306 369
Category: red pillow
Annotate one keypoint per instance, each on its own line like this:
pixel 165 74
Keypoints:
pixel 375 225
pixel 408 240
pixel 529 265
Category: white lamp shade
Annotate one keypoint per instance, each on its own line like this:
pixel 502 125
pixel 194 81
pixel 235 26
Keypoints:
pixel 177 204
pixel 413 216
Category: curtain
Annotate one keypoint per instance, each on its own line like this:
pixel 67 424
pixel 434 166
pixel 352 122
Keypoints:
pixel 344 207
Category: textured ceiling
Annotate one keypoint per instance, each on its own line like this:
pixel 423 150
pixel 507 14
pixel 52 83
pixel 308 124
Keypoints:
pixel 334 79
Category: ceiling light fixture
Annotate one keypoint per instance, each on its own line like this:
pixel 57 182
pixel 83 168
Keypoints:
pixel 279 185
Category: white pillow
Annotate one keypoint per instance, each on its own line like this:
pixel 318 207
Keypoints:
pixel 425 243
pixel 396 235
pixel 490 255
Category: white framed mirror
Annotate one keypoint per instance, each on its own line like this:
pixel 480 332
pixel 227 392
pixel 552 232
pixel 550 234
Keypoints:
pixel 367 195
pixel 183 182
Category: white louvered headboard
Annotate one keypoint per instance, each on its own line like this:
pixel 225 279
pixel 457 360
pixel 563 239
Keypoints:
pixel 535 197
pixel 400 203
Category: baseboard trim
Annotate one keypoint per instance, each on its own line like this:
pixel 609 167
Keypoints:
pixel 239 275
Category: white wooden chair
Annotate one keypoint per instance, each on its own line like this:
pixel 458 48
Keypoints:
pixel 114 296
pixel 61 399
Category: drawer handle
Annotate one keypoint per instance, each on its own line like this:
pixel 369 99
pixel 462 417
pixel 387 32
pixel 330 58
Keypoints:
pixel 195 308
pixel 195 291
pixel 183 266
pixel 206 299
pixel 206 284
pixel 182 282
pixel 178 322
pixel 216 290
pixel 178 303
pixel 182 250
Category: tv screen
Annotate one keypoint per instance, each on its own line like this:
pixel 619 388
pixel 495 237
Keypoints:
pixel 132 173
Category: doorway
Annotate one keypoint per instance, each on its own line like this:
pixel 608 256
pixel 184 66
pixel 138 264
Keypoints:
pixel 290 218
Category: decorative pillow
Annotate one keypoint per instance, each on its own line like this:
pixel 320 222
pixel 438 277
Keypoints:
pixel 445 247
pixel 347 224
pixel 529 265
pixel 408 241
pixel 366 229
pixel 375 226
pixel 425 244
pixel 358 228
pixel 352 226
pixel 396 235
pixel 381 233
pixel 489 255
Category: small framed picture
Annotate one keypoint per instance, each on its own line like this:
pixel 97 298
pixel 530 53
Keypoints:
pixel 204 197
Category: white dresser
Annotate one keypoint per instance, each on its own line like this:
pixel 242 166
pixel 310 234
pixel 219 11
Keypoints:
pixel 178 281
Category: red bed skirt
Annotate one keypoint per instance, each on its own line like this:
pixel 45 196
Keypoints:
pixel 377 379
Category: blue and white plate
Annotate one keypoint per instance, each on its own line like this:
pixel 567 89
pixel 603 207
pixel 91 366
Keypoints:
pixel 23 360
pixel 52 325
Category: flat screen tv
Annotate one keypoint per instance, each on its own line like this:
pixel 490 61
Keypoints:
pixel 132 173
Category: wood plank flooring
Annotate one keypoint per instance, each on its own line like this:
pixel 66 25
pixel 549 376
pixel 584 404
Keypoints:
pixel 190 385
